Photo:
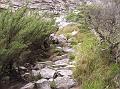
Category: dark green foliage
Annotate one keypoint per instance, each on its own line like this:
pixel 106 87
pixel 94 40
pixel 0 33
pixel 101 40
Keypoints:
pixel 23 39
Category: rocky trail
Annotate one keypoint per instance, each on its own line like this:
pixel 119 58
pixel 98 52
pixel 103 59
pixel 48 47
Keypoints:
pixel 56 73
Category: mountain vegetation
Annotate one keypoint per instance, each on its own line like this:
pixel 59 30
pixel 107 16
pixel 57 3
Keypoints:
pixel 89 45
pixel 23 39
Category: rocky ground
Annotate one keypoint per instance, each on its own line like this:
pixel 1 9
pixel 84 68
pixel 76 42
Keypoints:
pixel 54 74
pixel 54 6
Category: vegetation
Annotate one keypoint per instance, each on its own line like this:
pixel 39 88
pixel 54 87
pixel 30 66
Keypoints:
pixel 105 21
pixel 23 39
pixel 96 67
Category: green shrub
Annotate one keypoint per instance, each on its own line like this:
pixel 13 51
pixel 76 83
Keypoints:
pixel 23 39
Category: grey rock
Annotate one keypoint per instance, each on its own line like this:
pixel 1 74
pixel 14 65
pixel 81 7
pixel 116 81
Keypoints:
pixel 28 86
pixel 62 39
pixel 56 58
pixel 43 84
pixel 64 82
pixel 36 73
pixel 49 63
pixel 47 73
pixel 65 72
pixel 70 67
pixel 39 66
pixel 68 49
pixel 4 6
pixel 62 62
pixel 33 6
pixel 16 3
pixel 46 63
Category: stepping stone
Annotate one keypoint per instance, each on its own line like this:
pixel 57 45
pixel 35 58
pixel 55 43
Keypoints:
pixel 65 72
pixel 62 62
pixel 64 82
pixel 47 73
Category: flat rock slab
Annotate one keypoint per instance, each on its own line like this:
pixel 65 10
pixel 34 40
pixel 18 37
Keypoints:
pixel 60 57
pixel 62 62
pixel 47 73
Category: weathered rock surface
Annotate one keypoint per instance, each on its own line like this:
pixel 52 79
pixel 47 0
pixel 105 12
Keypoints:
pixel 58 71
pixel 55 6
pixel 39 66
pixel 36 73
pixel 62 62
pixel 43 84
pixel 28 86
pixel 64 82
pixel 56 58
pixel 47 73
pixel 68 49
pixel 65 72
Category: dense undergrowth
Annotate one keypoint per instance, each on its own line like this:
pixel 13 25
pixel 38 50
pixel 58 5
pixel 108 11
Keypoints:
pixel 95 68
pixel 23 39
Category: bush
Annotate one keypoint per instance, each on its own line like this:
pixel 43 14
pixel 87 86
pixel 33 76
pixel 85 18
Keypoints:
pixel 23 39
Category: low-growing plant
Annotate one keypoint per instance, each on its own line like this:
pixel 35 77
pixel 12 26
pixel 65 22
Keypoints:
pixel 53 85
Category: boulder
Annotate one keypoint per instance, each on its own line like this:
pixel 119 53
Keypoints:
pixel 64 82
pixel 28 86
pixel 43 84
pixel 47 73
